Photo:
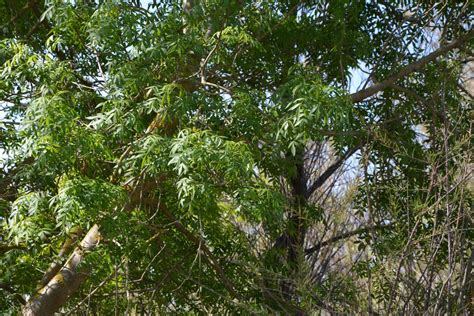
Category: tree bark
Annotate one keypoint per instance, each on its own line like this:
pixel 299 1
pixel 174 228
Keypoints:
pixel 50 298
pixel 361 95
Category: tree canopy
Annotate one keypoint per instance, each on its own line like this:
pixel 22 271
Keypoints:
pixel 236 157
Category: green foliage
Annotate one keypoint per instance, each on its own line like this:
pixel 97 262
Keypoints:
pixel 80 201
pixel 218 147
pixel 30 221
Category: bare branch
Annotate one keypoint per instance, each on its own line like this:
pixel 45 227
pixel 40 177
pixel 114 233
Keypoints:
pixel 413 67
pixel 329 172
pixel 203 65
pixel 345 235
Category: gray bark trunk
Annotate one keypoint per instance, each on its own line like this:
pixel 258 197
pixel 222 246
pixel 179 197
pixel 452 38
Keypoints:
pixel 50 298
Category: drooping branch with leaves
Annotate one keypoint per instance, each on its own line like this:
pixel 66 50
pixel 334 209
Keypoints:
pixel 255 157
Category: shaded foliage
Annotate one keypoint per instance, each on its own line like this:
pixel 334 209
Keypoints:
pixel 218 147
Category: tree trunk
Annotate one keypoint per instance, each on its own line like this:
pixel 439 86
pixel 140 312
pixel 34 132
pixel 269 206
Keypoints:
pixel 53 295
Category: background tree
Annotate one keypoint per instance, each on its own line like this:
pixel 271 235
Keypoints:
pixel 221 157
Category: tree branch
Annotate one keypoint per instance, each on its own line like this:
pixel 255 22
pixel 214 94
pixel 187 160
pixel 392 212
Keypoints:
pixel 8 288
pixel 345 235
pixel 22 11
pixel 413 67
pixel 67 246
pixel 203 66
pixel 4 248
pixel 209 257
pixel 51 297
pixel 329 172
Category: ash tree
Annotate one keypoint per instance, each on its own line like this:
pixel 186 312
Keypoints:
pixel 221 157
